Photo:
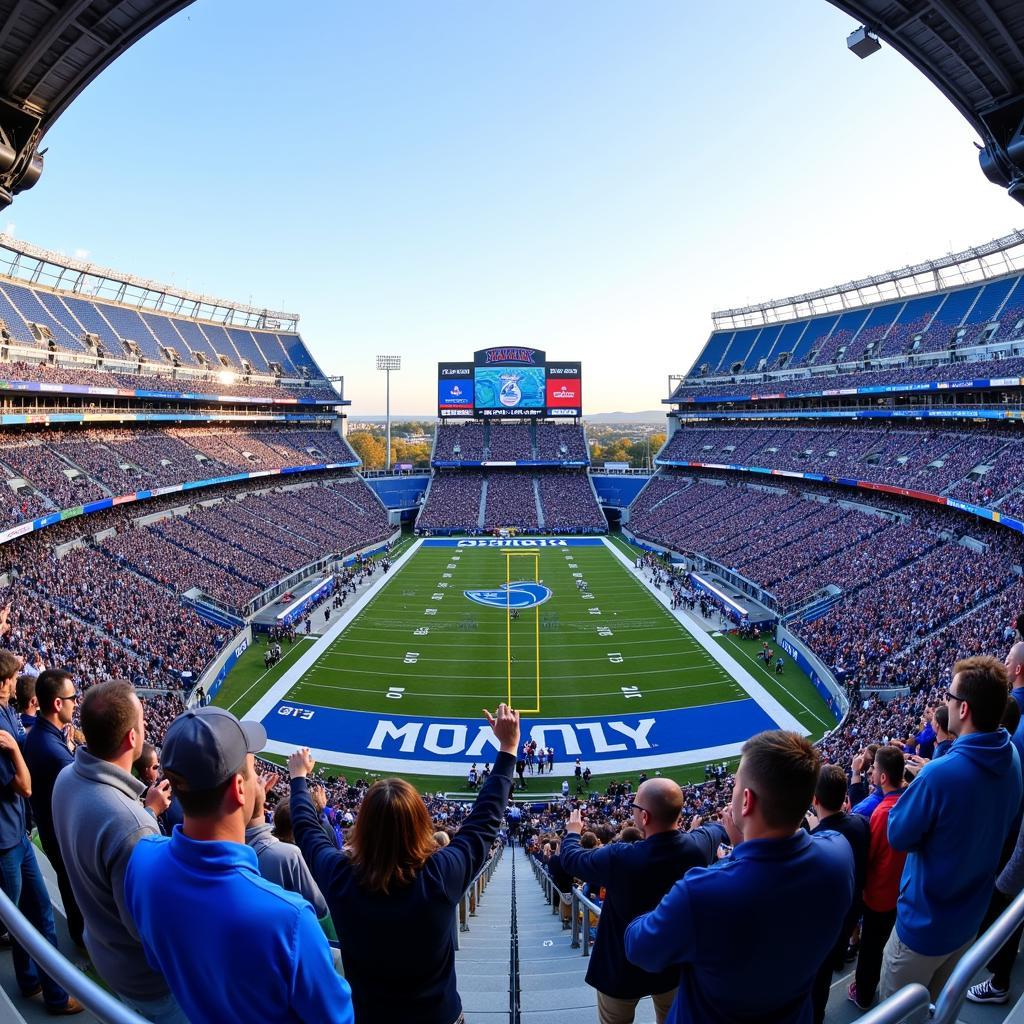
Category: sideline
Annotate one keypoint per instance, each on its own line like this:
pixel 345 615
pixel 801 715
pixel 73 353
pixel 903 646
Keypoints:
pixel 765 701
pixel 280 689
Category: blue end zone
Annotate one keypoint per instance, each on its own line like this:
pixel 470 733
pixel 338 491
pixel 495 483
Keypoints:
pixel 610 738
pixel 513 542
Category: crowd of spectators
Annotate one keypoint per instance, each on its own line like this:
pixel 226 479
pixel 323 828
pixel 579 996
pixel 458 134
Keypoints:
pixel 569 503
pixel 149 380
pixel 463 442
pixel 561 442
pixel 453 501
pixel 511 500
pixel 68 468
pixel 510 442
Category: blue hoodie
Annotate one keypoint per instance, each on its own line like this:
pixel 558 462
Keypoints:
pixel 952 821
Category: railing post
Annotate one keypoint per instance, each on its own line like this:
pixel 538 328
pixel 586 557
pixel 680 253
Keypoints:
pixel 573 908
pixel 463 925
pixel 471 896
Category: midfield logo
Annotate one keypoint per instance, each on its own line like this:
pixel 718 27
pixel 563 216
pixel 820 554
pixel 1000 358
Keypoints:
pixel 519 595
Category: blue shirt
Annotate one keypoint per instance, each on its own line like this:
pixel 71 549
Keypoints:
pixel 12 806
pixel 46 754
pixel 952 821
pixel 751 931
pixel 232 946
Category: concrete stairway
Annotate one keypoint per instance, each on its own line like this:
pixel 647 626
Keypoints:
pixel 551 973
pixel 484 954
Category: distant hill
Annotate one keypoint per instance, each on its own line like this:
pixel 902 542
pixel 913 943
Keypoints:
pixel 647 416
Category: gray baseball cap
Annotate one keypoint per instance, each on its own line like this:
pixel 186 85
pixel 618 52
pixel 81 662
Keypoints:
pixel 204 747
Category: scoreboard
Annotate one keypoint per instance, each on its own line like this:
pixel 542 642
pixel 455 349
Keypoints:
pixel 509 381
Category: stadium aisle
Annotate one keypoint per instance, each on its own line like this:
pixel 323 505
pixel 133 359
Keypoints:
pixel 482 961
pixel 551 973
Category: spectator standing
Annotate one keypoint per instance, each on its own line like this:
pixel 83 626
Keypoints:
pixel 25 699
pixel 392 893
pixel 47 754
pixel 98 817
pixel 205 872
pixel 20 876
pixel 829 797
pixel 147 769
pixel 882 884
pixel 636 877
pixel 943 737
pixel 749 931
pixel 280 862
pixel 1009 884
pixel 952 822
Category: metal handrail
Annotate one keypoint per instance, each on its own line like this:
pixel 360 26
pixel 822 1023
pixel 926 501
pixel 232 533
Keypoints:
pixel 953 993
pixel 910 1005
pixel 469 900
pixel 52 962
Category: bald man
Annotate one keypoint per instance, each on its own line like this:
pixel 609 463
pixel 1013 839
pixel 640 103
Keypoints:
pixel 637 876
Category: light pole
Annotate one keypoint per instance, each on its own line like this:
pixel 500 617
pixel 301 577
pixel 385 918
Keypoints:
pixel 387 364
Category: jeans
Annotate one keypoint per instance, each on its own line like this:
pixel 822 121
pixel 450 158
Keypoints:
pixel 164 1010
pixel 23 883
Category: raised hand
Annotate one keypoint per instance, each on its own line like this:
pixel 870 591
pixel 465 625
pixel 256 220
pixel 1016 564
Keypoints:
pixel 300 764
pixel 505 723
pixel 158 797
pixel 575 822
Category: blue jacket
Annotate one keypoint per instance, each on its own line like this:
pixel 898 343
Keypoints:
pixel 952 821
pixel 637 876
pixel 46 754
pixel 397 948
pixel 751 931
pixel 13 821
pixel 232 946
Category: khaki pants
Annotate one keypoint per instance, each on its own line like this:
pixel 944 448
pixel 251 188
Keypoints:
pixel 901 966
pixel 622 1011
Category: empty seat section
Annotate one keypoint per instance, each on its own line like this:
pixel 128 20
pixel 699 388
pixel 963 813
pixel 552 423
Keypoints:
pixel 987 308
pixel 868 339
pixel 33 310
pixel 131 327
pixel 165 333
pixel 737 349
pixel 247 348
pixel 786 343
pixel 195 339
pixel 763 344
pixel 714 348
pixel 56 308
pixel 222 343
pixel 296 350
pixel 916 316
pixel 833 348
pixel 93 321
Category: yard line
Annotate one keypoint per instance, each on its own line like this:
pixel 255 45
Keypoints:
pixel 280 664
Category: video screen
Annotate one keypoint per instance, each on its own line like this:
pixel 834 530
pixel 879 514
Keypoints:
pixel 509 390
pixel 455 389
pixel 564 390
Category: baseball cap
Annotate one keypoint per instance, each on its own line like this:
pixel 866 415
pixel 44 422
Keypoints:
pixel 204 747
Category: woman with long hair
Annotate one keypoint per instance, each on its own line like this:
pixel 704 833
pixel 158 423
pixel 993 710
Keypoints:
pixel 392 892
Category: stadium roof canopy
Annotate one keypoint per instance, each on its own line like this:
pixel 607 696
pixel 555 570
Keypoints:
pixel 50 50
pixel 973 50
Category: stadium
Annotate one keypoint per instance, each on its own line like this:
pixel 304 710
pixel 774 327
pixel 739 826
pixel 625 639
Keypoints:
pixel 826 548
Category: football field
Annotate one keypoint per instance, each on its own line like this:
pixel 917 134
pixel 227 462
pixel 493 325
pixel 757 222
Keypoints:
pixel 567 630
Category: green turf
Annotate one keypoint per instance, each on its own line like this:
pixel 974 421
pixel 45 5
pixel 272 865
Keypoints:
pixel 460 664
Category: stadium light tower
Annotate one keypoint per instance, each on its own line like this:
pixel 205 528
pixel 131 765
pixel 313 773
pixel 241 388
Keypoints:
pixel 387 364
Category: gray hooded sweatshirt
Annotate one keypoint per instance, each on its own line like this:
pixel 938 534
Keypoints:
pixel 98 817
pixel 283 864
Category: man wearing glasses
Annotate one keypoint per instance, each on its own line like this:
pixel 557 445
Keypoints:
pixel 952 821
pixel 637 876
pixel 46 754
pixel 20 876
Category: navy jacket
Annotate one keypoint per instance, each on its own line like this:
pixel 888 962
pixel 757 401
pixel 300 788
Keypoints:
pixel 636 877
pixel 750 931
pixel 857 830
pixel 46 754
pixel 398 949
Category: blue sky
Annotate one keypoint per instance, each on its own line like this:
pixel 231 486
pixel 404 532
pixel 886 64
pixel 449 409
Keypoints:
pixel 586 177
